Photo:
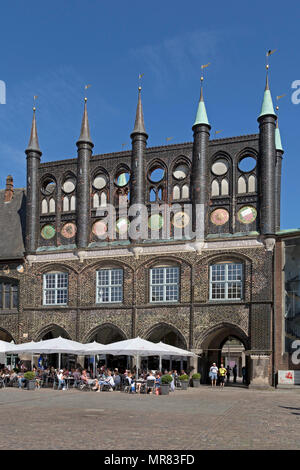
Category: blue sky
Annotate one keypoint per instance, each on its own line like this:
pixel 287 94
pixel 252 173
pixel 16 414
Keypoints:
pixel 52 49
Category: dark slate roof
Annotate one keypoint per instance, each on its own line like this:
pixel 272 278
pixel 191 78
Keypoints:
pixel 12 223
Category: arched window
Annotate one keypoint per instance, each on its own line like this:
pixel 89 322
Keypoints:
pixel 176 192
pixel 44 206
pixel 164 284
pixel 9 295
pixel 152 195
pixel 73 203
pixel 252 184
pixel 224 187
pixel 103 199
pixel 185 191
pixel 242 185
pixel 55 288
pixel 96 200
pixel 226 281
pixel 52 205
pixel 215 188
pixel 66 204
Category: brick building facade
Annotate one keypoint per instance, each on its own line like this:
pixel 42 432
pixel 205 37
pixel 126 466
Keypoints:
pixel 80 275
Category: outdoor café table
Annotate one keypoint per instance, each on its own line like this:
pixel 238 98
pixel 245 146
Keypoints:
pixel 68 381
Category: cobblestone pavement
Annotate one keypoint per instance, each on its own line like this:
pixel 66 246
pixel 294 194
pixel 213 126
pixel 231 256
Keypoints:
pixel 204 418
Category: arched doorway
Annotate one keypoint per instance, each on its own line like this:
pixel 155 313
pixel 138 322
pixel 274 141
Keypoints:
pixel 170 335
pixel 225 344
pixel 68 361
pixel 5 336
pixel 105 334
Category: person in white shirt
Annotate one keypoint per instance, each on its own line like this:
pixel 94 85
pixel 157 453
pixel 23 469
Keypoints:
pixel 61 380
pixel 213 373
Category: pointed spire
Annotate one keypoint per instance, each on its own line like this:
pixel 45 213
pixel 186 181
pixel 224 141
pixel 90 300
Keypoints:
pixel 278 144
pixel 201 116
pixel 85 128
pixel 33 144
pixel 139 126
pixel 267 104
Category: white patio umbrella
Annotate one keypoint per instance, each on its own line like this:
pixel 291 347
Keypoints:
pixel 51 346
pixel 174 351
pixel 5 347
pixel 135 347
pixel 92 349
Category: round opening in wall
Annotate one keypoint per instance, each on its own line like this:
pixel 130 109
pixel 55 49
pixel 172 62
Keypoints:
pixel 180 171
pixel 48 186
pixel 156 174
pixel 100 181
pixel 247 164
pixel 220 167
pixel 122 179
pixel 69 185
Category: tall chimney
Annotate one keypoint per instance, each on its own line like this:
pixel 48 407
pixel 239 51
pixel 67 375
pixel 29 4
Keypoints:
pixel 9 189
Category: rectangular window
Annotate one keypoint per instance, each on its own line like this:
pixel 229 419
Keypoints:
pixel 56 289
pixel 8 296
pixel 109 286
pixel 226 281
pixel 164 284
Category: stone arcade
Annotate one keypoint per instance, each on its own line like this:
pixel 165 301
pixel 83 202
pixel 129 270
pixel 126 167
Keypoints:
pixel 67 274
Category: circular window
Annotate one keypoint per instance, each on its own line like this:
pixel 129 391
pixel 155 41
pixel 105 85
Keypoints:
pixel 180 171
pixel 180 219
pixel 99 228
pixel 69 185
pixel 122 179
pixel 48 186
pixel 48 232
pixel 122 225
pixel 219 217
pixel 155 222
pixel 68 230
pixel 100 181
pixel 220 167
pixel 247 164
pixel 156 174
pixel 247 215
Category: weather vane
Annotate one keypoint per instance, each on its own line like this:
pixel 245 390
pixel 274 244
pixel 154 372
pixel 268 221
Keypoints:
pixel 202 68
pixel 140 80
pixel 279 98
pixel 86 87
pixel 270 52
pixel 34 98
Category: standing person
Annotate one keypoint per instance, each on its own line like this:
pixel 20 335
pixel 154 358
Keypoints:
pixel 213 373
pixel 222 373
pixel 244 374
pixel 234 371
pixel 228 373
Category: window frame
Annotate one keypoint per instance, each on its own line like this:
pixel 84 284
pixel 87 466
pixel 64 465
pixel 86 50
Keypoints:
pixel 164 285
pixel 110 286
pixel 55 289
pixel 13 285
pixel 226 282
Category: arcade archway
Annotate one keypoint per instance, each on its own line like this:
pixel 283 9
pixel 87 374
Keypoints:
pixel 170 335
pixel 105 334
pixel 52 360
pixel 5 336
pixel 225 344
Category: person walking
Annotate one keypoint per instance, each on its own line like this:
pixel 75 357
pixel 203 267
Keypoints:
pixel 213 373
pixel 222 373
pixel 234 371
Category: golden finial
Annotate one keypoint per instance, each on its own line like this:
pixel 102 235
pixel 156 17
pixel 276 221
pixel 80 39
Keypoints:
pixel 140 88
pixel 85 99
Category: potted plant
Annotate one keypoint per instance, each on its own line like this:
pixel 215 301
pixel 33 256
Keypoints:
pixel 165 384
pixel 196 379
pixel 30 377
pixel 184 381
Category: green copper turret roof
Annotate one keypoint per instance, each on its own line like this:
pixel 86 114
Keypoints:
pixel 278 144
pixel 201 116
pixel 267 104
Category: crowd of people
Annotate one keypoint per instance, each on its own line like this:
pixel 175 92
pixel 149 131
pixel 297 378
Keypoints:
pixel 80 378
